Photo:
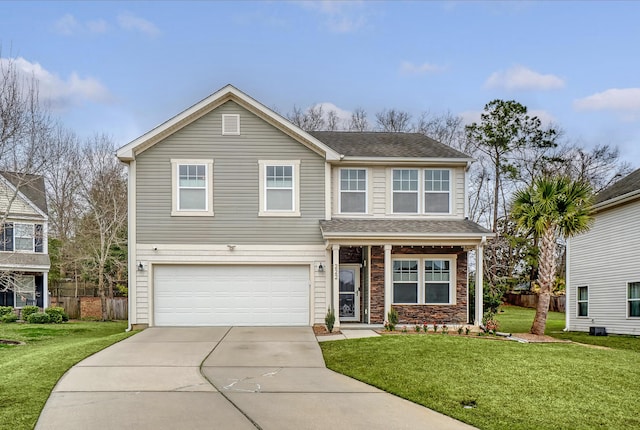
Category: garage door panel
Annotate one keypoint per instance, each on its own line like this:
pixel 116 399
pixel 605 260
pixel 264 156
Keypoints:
pixel 231 295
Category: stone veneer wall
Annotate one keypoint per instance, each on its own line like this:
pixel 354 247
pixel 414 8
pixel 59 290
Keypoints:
pixel 411 314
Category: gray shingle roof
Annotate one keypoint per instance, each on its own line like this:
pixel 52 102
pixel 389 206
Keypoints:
pixel 32 186
pixel 382 144
pixel 626 185
pixel 15 260
pixel 401 227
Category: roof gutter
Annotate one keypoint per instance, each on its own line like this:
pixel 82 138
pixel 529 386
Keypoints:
pixel 616 201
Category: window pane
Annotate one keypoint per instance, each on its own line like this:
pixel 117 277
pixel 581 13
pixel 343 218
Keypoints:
pixel 23 244
pixel 193 199
pixel 353 180
pixel 437 293
pixel 23 230
pixel 436 202
pixel 405 293
pixel 353 202
pixel 405 180
pixel 583 309
pixel 634 308
pixel 279 200
pixel 279 177
pixel 405 202
pixel 583 293
pixel 192 175
pixel 405 270
pixel 634 290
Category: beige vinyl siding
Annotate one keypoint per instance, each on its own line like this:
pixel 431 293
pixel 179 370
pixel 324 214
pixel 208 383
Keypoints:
pixel 235 185
pixel 605 259
pixel 18 205
pixel 167 253
pixel 379 191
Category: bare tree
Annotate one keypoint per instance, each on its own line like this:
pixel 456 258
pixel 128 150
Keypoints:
pixel 333 121
pixel 393 120
pixel 103 196
pixel 310 120
pixel 358 120
pixel 600 166
pixel 25 126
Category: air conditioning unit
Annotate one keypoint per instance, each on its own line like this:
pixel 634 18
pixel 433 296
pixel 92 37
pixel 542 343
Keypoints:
pixel 597 331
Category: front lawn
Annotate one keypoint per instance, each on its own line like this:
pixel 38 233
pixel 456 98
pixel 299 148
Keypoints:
pixel 513 385
pixel 29 372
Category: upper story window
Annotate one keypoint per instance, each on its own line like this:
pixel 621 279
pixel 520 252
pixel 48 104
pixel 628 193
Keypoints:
pixel 192 185
pixel 21 237
pixel 583 301
pixel 353 191
pixel 424 280
pixel 279 188
pixel 633 298
pixel 425 191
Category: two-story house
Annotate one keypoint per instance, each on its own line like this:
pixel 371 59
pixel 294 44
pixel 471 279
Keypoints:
pixel 238 217
pixel 603 264
pixel 24 259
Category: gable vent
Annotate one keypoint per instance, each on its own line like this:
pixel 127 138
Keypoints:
pixel 231 124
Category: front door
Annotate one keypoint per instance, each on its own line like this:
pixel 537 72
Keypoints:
pixel 349 292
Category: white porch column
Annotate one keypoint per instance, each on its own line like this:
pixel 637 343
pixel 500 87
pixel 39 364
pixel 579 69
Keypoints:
pixel 45 290
pixel 388 280
pixel 479 283
pixel 335 284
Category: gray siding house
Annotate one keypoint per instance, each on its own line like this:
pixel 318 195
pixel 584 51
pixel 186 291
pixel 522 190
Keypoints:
pixel 24 259
pixel 239 217
pixel 603 265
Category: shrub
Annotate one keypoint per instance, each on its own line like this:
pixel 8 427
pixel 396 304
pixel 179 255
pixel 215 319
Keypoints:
pixel 460 329
pixel 418 328
pixel 28 310
pixel 9 318
pixel 489 322
pixel 392 316
pixel 39 318
pixel 5 310
pixel 329 320
pixel 57 315
pixel 445 329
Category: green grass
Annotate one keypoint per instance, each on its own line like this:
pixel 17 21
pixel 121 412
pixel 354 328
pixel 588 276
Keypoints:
pixel 514 319
pixel 515 386
pixel 29 372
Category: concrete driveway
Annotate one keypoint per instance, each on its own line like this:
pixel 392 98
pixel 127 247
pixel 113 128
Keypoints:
pixel 223 378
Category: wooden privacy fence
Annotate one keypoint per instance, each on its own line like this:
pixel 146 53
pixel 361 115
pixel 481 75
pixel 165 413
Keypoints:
pixel 90 307
pixel 557 303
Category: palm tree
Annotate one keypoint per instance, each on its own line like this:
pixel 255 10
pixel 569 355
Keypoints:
pixel 549 208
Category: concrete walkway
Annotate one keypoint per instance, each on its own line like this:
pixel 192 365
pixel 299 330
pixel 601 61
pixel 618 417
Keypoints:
pixel 223 378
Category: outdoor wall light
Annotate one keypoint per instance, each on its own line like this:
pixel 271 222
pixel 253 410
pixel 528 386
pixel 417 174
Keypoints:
pixel 320 267
pixel 231 247
pixel 140 267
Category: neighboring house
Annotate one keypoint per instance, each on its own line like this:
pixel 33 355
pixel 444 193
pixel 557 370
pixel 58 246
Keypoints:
pixel 238 217
pixel 603 265
pixel 24 259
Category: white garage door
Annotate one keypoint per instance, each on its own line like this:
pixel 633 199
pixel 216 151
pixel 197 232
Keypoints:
pixel 231 295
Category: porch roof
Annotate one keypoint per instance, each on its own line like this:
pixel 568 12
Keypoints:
pixel 403 229
pixel 16 261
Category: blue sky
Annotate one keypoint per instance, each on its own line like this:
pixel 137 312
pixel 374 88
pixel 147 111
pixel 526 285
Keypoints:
pixel 124 67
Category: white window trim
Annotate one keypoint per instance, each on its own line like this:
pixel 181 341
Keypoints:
pixel 366 191
pixel 421 192
pixel 578 301
pixel 33 237
pixel 15 293
pixel 227 117
pixel 629 300
pixel 453 268
pixel 175 187
pixel 262 186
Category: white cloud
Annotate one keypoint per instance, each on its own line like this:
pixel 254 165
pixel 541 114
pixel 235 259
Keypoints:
pixel 344 115
pixel 129 21
pixel 626 100
pixel 97 26
pixel 408 68
pixel 60 93
pixel 522 78
pixel 66 25
pixel 339 16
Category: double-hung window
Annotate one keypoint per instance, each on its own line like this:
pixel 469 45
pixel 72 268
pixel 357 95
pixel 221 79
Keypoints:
pixel 633 298
pixel 583 301
pixel 23 237
pixel 192 187
pixel 405 281
pixel 279 188
pixel 425 191
pixel 24 289
pixel 425 280
pixel 353 191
